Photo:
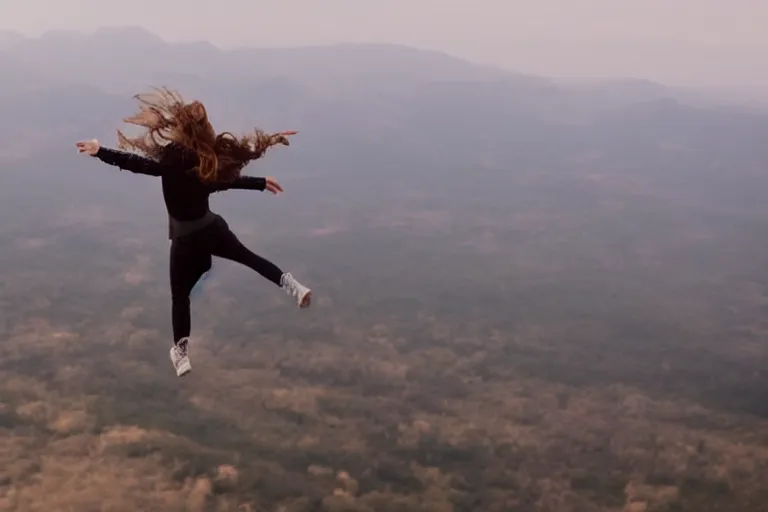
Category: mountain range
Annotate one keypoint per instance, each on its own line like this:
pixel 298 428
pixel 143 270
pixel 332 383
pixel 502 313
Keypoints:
pixel 387 98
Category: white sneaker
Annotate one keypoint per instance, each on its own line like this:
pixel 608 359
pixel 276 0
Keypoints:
pixel 295 289
pixel 180 357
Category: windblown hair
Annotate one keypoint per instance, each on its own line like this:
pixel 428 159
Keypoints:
pixel 169 120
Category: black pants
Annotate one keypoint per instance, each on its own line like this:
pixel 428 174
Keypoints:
pixel 191 257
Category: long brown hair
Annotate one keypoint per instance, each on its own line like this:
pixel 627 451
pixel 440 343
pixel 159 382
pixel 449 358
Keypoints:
pixel 168 119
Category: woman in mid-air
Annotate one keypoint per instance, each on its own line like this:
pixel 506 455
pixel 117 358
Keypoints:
pixel 182 148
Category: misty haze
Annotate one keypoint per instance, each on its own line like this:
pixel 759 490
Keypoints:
pixel 538 286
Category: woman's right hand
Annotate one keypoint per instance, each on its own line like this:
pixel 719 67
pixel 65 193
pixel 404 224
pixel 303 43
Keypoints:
pixel 273 186
pixel 282 137
pixel 89 147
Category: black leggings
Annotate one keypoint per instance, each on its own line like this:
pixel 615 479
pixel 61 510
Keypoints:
pixel 191 258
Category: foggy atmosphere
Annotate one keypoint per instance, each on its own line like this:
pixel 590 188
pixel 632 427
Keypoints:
pixel 517 251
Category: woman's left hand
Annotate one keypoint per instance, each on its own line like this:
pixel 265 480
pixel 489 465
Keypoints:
pixel 273 186
pixel 89 147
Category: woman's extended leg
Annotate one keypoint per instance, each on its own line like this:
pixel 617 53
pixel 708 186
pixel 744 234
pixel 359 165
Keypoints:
pixel 229 246
pixel 189 261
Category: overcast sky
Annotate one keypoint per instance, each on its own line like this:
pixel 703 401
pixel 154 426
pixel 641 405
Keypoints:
pixel 694 41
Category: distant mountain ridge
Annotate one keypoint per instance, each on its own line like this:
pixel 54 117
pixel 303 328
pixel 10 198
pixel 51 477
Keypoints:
pixel 133 55
pixel 361 106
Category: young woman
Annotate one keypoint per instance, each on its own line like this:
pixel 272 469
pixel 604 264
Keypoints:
pixel 182 148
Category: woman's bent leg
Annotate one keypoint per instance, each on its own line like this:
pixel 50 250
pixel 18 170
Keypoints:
pixel 229 247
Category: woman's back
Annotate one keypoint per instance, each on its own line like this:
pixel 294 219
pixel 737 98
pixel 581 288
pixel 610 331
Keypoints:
pixel 186 196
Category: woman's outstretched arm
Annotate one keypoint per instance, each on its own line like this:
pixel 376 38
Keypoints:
pixel 121 159
pixel 249 183
pixel 129 162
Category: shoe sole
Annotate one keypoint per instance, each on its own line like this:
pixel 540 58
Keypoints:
pixel 184 371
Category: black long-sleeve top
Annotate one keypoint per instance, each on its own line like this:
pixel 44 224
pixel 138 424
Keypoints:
pixel 185 195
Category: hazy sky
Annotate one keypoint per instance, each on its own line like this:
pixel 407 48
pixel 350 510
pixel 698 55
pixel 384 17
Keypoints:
pixel 672 40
